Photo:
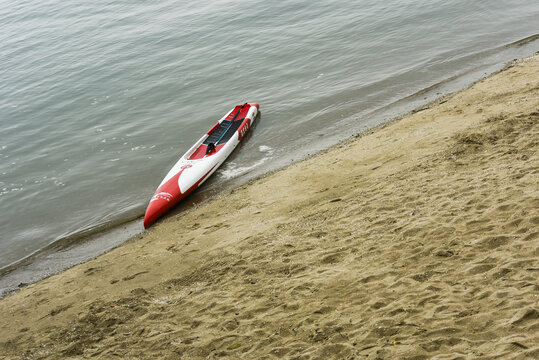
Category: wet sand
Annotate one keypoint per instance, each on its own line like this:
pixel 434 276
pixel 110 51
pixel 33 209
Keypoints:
pixel 416 240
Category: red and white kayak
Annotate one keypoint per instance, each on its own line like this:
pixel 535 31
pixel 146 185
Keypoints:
pixel 201 160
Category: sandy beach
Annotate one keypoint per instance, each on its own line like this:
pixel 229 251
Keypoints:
pixel 415 240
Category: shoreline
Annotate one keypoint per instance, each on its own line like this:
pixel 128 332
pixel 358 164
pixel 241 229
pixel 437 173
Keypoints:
pixel 65 252
pixel 418 247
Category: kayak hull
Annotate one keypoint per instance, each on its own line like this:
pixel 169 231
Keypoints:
pixel 201 160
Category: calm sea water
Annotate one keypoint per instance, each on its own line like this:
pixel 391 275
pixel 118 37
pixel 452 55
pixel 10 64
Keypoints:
pixel 98 99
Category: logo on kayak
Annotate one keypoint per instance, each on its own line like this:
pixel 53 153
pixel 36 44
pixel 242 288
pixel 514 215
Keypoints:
pixel 162 195
pixel 186 167
pixel 243 130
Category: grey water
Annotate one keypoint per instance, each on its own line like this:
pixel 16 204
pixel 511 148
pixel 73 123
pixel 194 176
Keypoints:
pixel 99 99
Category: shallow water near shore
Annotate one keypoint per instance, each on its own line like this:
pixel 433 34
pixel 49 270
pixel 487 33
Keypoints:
pixel 99 100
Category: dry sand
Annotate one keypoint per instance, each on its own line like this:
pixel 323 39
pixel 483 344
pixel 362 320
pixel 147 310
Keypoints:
pixel 417 240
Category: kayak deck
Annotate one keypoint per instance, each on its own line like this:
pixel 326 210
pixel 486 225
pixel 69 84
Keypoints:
pixel 221 133
pixel 217 132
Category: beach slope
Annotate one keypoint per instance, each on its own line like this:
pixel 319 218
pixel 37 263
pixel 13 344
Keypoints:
pixel 415 240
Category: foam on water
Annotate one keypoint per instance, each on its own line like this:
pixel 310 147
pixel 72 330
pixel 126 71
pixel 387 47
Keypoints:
pixel 232 169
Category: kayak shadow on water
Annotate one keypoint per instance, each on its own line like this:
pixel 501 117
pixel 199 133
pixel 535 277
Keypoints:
pixel 213 185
